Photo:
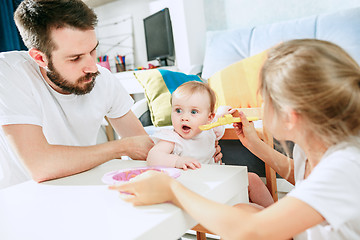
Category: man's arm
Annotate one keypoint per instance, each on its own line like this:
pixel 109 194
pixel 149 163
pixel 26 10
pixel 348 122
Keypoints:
pixel 45 161
pixel 127 125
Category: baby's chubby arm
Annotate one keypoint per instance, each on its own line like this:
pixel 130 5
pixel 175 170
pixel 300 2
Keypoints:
pixel 161 155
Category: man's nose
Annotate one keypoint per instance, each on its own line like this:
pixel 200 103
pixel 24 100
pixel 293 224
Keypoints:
pixel 90 65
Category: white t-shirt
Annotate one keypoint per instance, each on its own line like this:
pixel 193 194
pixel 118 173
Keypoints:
pixel 26 98
pixel 201 147
pixel 332 189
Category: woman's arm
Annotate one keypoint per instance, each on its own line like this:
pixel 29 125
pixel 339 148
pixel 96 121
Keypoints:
pixel 282 164
pixel 161 155
pixel 282 220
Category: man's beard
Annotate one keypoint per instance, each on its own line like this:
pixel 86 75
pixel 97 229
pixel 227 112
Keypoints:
pixel 68 87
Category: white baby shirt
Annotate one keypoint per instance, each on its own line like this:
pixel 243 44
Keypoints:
pixel 201 147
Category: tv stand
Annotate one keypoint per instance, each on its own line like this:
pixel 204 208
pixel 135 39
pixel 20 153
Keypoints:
pixel 166 62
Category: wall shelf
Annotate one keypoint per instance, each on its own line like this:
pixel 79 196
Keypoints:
pixel 116 37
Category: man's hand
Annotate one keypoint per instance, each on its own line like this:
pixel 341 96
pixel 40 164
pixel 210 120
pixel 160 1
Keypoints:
pixel 218 155
pixel 137 147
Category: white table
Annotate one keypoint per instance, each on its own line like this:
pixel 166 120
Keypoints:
pixel 81 206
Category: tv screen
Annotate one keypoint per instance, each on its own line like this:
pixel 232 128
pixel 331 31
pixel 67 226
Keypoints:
pixel 159 37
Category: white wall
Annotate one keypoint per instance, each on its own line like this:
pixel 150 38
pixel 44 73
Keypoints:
pixel 229 14
pixel 191 18
pixel 139 9
pixel 189 28
pixel 188 22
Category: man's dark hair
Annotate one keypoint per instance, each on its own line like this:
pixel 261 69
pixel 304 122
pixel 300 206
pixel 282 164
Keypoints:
pixel 36 18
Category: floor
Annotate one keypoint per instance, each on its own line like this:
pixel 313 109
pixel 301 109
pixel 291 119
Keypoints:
pixel 188 236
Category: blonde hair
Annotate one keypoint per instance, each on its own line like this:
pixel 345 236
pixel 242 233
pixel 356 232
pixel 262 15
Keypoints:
pixel 319 81
pixel 191 87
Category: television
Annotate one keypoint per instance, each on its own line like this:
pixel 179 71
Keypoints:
pixel 159 38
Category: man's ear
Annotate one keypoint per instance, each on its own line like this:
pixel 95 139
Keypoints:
pixel 211 117
pixel 39 57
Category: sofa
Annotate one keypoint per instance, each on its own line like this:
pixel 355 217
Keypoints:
pixel 227 47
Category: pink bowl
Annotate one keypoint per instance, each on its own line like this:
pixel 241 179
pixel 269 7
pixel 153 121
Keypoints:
pixel 124 175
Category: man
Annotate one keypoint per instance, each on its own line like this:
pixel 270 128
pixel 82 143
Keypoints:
pixel 54 97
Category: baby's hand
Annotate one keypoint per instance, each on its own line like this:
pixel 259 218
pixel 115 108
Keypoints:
pixel 222 110
pixel 187 162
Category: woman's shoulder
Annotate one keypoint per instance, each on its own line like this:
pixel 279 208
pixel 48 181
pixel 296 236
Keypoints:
pixel 331 188
pixel 343 154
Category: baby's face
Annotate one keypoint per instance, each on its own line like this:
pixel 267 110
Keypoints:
pixel 189 112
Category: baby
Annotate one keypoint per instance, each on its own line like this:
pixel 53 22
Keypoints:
pixel 186 146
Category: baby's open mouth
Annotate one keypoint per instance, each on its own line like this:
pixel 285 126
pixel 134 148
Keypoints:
pixel 186 128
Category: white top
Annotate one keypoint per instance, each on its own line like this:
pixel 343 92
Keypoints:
pixel 26 98
pixel 332 189
pixel 201 147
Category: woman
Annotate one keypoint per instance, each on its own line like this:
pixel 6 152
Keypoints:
pixel 311 92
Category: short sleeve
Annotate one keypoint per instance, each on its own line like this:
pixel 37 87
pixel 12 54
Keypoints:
pixel 219 132
pixel 120 101
pixel 168 134
pixel 165 134
pixel 18 103
pixel 332 188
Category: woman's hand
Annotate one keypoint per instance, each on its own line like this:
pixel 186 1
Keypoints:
pixel 150 187
pixel 245 131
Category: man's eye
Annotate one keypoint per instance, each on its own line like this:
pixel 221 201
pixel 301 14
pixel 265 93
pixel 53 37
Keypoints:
pixel 75 59
pixel 194 111
pixel 178 110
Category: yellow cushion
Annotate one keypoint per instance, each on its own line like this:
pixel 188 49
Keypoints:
pixel 237 84
pixel 158 86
